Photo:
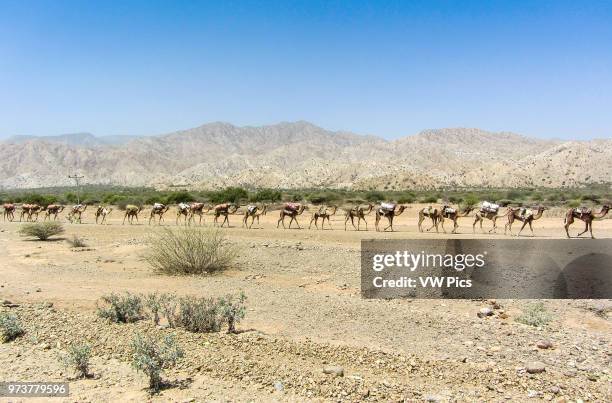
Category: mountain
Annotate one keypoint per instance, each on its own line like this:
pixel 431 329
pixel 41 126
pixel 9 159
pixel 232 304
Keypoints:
pixel 300 154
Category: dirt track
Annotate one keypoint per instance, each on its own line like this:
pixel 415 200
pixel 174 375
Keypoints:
pixel 305 312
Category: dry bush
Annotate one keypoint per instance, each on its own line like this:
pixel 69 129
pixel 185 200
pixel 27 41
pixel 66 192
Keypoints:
pixel 535 315
pixel 125 308
pixel 10 327
pixel 189 251
pixel 77 357
pixel 233 310
pixel 151 356
pixel 42 230
pixel 77 242
pixel 198 315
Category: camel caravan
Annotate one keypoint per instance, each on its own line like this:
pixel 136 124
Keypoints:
pixel 384 215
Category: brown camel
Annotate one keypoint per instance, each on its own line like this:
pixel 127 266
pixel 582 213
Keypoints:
pixel 53 210
pixel 254 212
pixel 453 215
pixel 432 213
pixel 197 209
pixel 131 212
pixel 102 212
pixel 76 213
pixel 389 213
pixel 525 215
pixel 584 214
pixel 182 211
pixel 224 210
pixel 9 211
pixel 158 210
pixel 323 214
pixel 489 215
pixel 290 210
pixel 358 212
pixel 29 211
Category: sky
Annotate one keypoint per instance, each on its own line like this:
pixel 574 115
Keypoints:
pixel 387 68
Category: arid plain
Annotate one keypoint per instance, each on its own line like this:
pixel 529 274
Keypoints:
pixel 304 313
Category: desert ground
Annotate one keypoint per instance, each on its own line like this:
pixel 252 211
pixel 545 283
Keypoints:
pixel 304 313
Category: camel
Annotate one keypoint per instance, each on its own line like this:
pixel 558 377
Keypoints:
pixel 224 210
pixel 524 215
pixel 102 212
pixel 432 213
pixel 159 210
pixel 9 211
pixel 389 213
pixel 182 210
pixel 323 214
pixel 28 211
pixel 254 212
pixel 292 210
pixel 131 212
pixel 586 215
pixel 489 215
pixel 453 215
pixel 76 212
pixel 199 209
pixel 358 212
pixel 53 210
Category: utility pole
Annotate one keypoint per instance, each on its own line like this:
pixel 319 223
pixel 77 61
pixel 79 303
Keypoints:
pixel 76 179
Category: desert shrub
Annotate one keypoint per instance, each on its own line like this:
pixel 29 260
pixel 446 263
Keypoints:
pixel 70 197
pixel 76 242
pixel 151 356
pixel 590 197
pixel 429 199
pixel 266 195
pixel 455 199
pixel 374 196
pixel 574 203
pixel 77 358
pixel 189 251
pixel 230 194
pixel 10 327
pixel 470 200
pixel 323 197
pixel 167 306
pixel 125 308
pixel 233 310
pixel 178 197
pixel 406 199
pixel 42 230
pixel 535 315
pixel 124 202
pixel 37 198
pixel 198 315
pixel 507 202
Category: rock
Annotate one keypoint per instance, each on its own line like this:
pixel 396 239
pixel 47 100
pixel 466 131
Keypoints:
pixel 278 385
pixel 332 370
pixel 433 398
pixel 485 312
pixel 544 344
pixel 535 367
pixel 555 389
pixel 39 289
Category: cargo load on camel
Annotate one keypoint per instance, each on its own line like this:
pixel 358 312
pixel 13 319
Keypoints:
pixel 387 206
pixel 488 207
pixel 448 210
pixel 292 206
pixel 582 211
pixel 251 208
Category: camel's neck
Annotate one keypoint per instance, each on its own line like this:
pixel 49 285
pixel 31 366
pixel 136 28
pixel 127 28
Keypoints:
pixel 602 213
pixel 539 215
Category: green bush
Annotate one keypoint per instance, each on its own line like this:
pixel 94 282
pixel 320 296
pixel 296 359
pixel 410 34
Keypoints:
pixel 42 230
pixel 535 315
pixel 374 196
pixel 125 308
pixel 77 358
pixel 574 203
pixel 230 194
pixel 323 197
pixel 470 200
pixel 266 195
pixel 429 199
pixel 36 198
pixel 233 310
pixel 151 356
pixel 198 315
pixel 189 251
pixel 10 327
pixel 178 197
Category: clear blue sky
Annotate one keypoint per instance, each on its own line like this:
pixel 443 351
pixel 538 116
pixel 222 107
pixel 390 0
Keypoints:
pixel 540 68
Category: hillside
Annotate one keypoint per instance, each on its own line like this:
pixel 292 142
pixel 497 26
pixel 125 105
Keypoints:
pixel 299 154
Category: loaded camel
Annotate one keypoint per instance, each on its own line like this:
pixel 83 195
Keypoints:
pixel 584 214
pixel 28 211
pixel 182 211
pixel 76 212
pixel 53 210
pixel 454 215
pixel 524 215
pixel 158 210
pixel 432 213
pixel 253 212
pixel 388 210
pixel 323 214
pixel 290 210
pixel 102 212
pixel 224 210
pixel 199 209
pixel 131 212
pixel 358 212
pixel 9 211
pixel 490 213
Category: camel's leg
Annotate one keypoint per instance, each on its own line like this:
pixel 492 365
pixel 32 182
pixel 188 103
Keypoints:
pixel 365 222
pixel 531 228
pixel 329 223
pixel 124 217
pixel 311 220
pixel 433 224
pixel 421 219
pixel 279 221
pixel 591 229
pixel 225 220
pixel 390 224
pixel 586 228
pixel 522 227
pixel 474 225
pixel 568 222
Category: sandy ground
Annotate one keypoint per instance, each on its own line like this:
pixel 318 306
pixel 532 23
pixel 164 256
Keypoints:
pixel 304 312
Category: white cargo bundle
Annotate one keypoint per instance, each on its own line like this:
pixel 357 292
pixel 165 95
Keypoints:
pixel 387 206
pixel 158 206
pixel 489 207
pixel 251 208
